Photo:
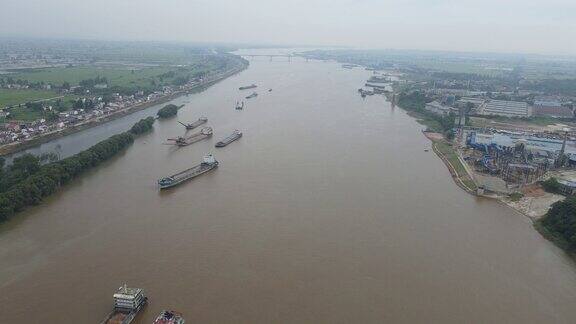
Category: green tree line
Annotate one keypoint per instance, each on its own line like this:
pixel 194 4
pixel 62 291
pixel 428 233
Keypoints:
pixel 35 182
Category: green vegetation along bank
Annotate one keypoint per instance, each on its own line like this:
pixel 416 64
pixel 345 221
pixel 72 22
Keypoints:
pixel 25 183
pixel 414 102
pixel 559 224
pixel 167 111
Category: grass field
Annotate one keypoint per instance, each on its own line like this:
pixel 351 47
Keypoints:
pixel 9 97
pixel 73 75
pixel 23 113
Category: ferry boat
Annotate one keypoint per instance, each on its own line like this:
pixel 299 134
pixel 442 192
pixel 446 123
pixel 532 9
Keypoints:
pixel 234 136
pixel 205 132
pixel 127 303
pixel 169 317
pixel 195 124
pixel 208 163
pixel 252 86
pixel 254 94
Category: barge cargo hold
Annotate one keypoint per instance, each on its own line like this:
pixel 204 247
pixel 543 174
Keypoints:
pixel 208 163
pixel 204 133
pixel 252 86
pixel 127 303
pixel 195 124
pixel 169 317
pixel 234 136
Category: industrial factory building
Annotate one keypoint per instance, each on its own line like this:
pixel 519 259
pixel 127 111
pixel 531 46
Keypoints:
pixel 544 147
pixel 505 108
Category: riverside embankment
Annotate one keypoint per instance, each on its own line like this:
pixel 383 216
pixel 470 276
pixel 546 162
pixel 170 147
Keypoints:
pixel 15 147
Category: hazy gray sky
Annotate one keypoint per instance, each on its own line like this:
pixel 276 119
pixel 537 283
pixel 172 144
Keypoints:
pixel 538 26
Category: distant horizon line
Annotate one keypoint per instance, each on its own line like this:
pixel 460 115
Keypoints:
pixel 262 45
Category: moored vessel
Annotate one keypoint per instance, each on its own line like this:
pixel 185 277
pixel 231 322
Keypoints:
pixel 169 317
pixel 208 163
pixel 252 95
pixel 204 133
pixel 127 303
pixel 195 124
pixel 231 138
pixel 252 86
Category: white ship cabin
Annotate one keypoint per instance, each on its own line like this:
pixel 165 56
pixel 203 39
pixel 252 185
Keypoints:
pixel 209 159
pixel 128 298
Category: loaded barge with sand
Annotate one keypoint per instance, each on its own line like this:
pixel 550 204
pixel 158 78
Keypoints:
pixel 204 133
pixel 195 124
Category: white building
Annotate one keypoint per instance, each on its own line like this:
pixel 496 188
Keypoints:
pixel 505 108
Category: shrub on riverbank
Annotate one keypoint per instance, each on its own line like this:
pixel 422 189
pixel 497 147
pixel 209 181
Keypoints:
pixel 560 223
pixel 551 185
pixel 45 181
pixel 168 111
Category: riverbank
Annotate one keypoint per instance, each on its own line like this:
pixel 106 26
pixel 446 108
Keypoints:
pixel 15 147
pixel 531 202
pixel 458 170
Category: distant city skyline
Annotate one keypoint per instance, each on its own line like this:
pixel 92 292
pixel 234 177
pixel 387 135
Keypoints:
pixel 505 26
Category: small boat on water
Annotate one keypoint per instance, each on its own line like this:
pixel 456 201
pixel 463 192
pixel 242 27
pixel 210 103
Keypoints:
pixel 196 137
pixel 208 163
pixel 270 90
pixel 238 106
pixel 127 303
pixel 169 317
pixel 252 86
pixel 195 124
pixel 234 136
pixel 252 95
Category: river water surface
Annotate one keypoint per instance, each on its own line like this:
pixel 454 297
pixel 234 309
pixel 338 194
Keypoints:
pixel 327 210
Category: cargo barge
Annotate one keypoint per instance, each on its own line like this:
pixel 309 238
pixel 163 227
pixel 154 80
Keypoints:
pixel 252 86
pixel 234 136
pixel 127 303
pixel 195 124
pixel 253 95
pixel 169 317
pixel 208 163
pixel 204 133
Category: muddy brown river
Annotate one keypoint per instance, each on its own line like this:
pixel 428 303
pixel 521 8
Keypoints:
pixel 327 210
